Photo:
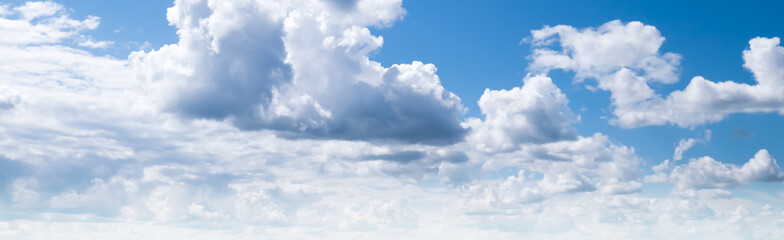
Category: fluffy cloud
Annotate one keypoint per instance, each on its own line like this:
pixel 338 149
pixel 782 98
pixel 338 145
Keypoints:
pixel 585 164
pixel 537 112
pixel 301 68
pixel 32 10
pixel 625 58
pixel 81 137
pixel 595 53
pixel 530 128
pixel 706 177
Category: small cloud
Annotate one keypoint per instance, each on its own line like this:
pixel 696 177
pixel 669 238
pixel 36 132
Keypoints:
pixel 32 10
pixel 686 144
pixel 740 134
pixel 89 43
pixel 4 10
pixel 146 46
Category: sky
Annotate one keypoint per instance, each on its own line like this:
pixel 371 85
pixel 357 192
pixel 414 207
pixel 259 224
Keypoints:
pixel 390 119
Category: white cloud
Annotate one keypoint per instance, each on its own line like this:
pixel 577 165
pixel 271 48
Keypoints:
pixel 625 58
pixel 705 173
pixel 42 23
pixel 762 167
pixel 8 98
pixel 686 144
pixel 368 216
pixel 301 68
pixel 595 53
pixel 530 128
pixel 32 10
pixel 24 192
pixel 585 164
pixel 537 112
pixel 4 10
pixel 661 172
pixel 94 44
pixel 683 145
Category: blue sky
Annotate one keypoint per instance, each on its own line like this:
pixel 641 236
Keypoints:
pixel 481 46
pixel 391 119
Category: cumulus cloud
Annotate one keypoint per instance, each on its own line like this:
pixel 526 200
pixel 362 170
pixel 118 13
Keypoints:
pixel 537 112
pixel 595 53
pixel 531 128
pixel 706 177
pixel 585 164
pixel 301 68
pixel 625 58
pixel 81 137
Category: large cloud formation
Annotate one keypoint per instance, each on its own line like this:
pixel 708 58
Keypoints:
pixel 531 128
pixel 300 67
pixel 157 146
pixel 625 58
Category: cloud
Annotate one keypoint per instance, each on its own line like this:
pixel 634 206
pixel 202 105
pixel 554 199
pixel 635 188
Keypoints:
pixel 300 68
pixel 705 173
pixel 8 98
pixel 86 152
pixel 24 192
pixel 537 112
pixel 510 192
pixel 686 144
pixel 762 167
pixel 594 53
pixel 625 58
pixel 4 10
pixel 41 23
pixel 531 128
pixel 683 145
pixel 89 43
pixel 586 164
pixel 740 134
pixel 32 10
